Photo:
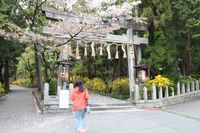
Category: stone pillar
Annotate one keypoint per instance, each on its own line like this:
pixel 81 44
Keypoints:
pixel 188 87
pixel 178 88
pixel 145 94
pixel 137 93
pixel 154 95
pixel 167 92
pixel 193 87
pixel 183 89
pixel 46 93
pixel 58 90
pixel 197 85
pixel 160 93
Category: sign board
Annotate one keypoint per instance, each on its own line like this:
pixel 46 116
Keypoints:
pixel 64 99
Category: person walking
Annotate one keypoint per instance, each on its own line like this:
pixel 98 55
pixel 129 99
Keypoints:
pixel 79 97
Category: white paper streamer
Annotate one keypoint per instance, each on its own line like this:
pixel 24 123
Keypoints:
pixel 101 50
pixel 117 53
pixel 77 52
pixel 93 49
pixel 85 51
pixel 124 50
pixel 70 51
pixel 108 50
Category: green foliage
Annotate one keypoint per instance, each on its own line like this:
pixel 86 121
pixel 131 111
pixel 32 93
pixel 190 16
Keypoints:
pixel 79 69
pixel 162 57
pixel 26 64
pixel 120 86
pixel 185 80
pixel 53 87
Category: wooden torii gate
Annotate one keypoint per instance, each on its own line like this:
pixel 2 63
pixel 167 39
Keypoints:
pixel 132 41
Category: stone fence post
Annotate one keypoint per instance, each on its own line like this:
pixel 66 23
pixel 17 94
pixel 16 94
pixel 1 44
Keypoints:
pixel 183 89
pixel 154 95
pixel 160 93
pixel 188 87
pixel 46 93
pixel 193 88
pixel 178 88
pixel 145 94
pixel 137 93
pixel 167 92
pixel 197 85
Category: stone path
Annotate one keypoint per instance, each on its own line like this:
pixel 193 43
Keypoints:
pixel 18 115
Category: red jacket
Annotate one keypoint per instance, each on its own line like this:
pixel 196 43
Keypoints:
pixel 79 99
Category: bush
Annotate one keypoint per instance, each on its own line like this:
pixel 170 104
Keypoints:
pixel 23 81
pixel 159 81
pixel 53 87
pixel 96 85
pixel 120 86
pixel 2 91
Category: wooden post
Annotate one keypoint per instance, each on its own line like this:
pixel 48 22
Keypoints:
pixel 167 92
pixel 145 94
pixel 154 95
pixel 178 88
pixel 131 63
pixel 160 93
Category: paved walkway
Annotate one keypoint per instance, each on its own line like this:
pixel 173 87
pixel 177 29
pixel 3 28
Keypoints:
pixel 18 115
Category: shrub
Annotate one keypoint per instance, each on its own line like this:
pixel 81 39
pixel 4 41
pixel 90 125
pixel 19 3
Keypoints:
pixel 159 81
pixel 23 81
pixel 96 85
pixel 120 86
pixel 2 91
pixel 53 87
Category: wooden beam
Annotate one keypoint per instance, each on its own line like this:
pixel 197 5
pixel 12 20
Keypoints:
pixel 54 14
pixel 120 39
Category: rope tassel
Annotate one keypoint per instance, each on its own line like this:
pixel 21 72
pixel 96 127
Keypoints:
pixel 70 51
pixel 85 51
pixel 108 50
pixel 124 50
pixel 93 49
pixel 77 52
pixel 101 50
pixel 117 53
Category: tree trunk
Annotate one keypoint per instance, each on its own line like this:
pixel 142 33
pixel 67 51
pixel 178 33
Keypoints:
pixel 1 71
pixel 37 67
pixel 189 58
pixel 151 29
pixel 6 76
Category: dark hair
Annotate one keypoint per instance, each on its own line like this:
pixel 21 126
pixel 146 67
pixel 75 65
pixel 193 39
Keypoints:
pixel 79 84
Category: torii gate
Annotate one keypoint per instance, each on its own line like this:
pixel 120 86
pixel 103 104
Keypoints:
pixel 129 39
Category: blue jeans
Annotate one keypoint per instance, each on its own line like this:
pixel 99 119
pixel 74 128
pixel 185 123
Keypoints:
pixel 80 119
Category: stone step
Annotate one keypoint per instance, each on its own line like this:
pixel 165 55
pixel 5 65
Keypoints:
pixel 102 108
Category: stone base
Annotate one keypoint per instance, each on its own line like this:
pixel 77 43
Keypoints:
pixel 168 101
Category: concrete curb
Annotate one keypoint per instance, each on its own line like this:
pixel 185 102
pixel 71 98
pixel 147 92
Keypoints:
pixel 3 97
pixel 39 105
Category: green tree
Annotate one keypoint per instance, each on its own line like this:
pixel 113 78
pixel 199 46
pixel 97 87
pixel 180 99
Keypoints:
pixel 26 64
